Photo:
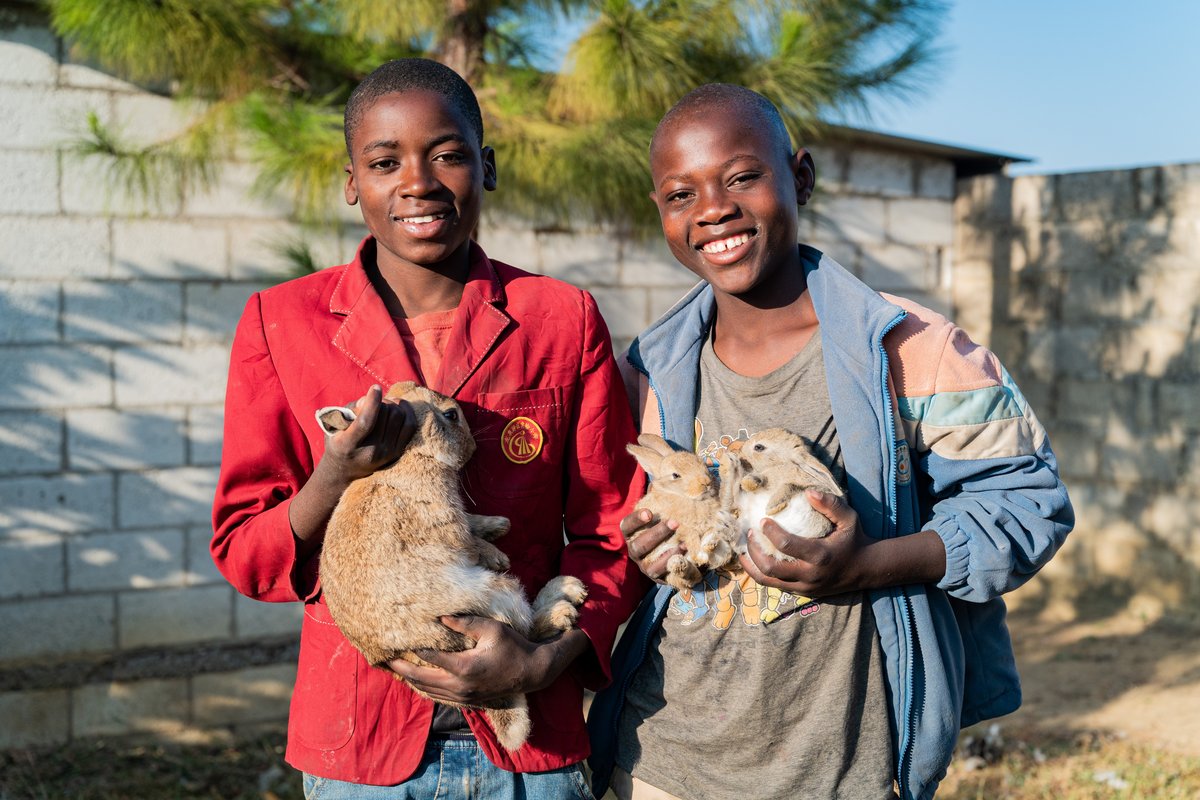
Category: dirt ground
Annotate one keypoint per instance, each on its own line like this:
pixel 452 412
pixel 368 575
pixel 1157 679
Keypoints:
pixel 1137 678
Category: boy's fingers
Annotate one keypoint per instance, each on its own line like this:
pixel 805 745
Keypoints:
pixel 634 522
pixel 650 538
pixel 367 409
pixel 795 546
pixel 835 508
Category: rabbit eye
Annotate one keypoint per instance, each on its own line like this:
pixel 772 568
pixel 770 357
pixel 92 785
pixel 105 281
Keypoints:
pixel 758 448
pixel 451 414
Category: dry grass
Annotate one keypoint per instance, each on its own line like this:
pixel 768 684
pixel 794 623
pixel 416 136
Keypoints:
pixel 1012 766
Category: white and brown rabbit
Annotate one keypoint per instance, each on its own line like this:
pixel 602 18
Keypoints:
pixel 683 489
pixel 401 551
pixel 766 478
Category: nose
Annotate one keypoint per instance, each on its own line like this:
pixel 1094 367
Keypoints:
pixel 416 179
pixel 715 206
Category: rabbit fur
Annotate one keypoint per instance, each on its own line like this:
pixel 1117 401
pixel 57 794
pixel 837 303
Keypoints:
pixel 766 477
pixel 400 551
pixel 683 489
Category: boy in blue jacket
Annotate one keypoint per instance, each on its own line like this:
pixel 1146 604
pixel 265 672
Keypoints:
pixel 848 670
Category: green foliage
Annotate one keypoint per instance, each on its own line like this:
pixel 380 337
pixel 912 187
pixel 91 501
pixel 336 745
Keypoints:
pixel 571 145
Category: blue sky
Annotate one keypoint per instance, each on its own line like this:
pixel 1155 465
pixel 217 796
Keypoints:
pixel 1074 84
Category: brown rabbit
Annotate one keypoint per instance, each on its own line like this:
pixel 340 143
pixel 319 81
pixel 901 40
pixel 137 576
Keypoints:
pixel 682 488
pixel 766 478
pixel 401 551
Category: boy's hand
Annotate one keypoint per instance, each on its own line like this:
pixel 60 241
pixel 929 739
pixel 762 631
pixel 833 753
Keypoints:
pixel 502 663
pixel 823 567
pixel 642 535
pixel 376 437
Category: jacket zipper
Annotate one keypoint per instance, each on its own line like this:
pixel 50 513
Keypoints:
pixel 905 602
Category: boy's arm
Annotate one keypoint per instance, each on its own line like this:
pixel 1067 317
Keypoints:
pixel 1000 510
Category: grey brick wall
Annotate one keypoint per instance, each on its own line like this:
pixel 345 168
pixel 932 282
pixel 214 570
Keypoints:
pixel 1095 286
pixel 115 322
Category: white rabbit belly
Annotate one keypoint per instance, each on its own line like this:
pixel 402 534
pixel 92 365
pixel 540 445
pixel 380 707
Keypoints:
pixel 799 518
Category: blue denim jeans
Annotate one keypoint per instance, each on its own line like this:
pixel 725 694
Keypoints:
pixel 456 769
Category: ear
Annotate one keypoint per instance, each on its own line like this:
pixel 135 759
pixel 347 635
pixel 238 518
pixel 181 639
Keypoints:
pixel 350 192
pixel 400 389
pixel 804 171
pixel 334 418
pixel 489 168
pixel 656 443
pixel 647 459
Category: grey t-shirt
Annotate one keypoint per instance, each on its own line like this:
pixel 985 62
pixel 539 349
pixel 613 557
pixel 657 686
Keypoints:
pixel 749 691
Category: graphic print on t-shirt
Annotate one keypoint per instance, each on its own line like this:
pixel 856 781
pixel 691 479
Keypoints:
pixel 727 594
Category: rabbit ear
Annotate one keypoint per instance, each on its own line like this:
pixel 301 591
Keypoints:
pixel 398 390
pixel 655 443
pixel 820 476
pixel 649 460
pixel 335 418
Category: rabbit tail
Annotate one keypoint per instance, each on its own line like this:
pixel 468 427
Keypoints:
pixel 511 724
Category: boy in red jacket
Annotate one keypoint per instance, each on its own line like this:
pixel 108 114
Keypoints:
pixel 529 360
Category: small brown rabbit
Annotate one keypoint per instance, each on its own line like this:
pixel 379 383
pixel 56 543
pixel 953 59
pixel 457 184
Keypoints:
pixel 766 478
pixel 682 488
pixel 401 551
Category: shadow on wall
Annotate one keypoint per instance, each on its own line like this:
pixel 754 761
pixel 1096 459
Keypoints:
pixel 1098 317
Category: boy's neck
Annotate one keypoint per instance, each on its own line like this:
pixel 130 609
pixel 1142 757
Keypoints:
pixel 755 335
pixel 410 290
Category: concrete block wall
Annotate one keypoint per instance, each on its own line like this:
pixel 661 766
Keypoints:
pixel 115 322
pixel 1096 310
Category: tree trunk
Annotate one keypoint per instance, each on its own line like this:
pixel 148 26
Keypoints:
pixel 461 47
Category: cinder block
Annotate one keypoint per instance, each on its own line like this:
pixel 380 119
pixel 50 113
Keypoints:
pixel 56 626
pixel 167 249
pixel 651 264
pixel 213 309
pixel 45 377
pixel 1180 401
pixel 125 560
pixel 921 222
pixel 898 268
pixel 32 566
pixel 1134 456
pixel 661 301
pixel 80 72
pixel 258 250
pixel 28 312
pixel 850 218
pixel 832 164
pixel 935 178
pixel 205 435
pixel 161 375
pixel 881 172
pixel 511 241
pixel 30 184
pixel 586 260
pixel 49 248
pixel 254 619
pixel 1033 199
pixel 175 616
pixel 123 311
pixel 625 311
pixel 148 118
pixel 1152 350
pixel 113 709
pixel 233 197
pixel 254 694
pixel 105 438
pixel 29 55
pixel 30 442
pixel 1096 195
pixel 201 569
pixel 35 718
pixel 180 496
pixel 92 186
pixel 62 503
pixel 44 116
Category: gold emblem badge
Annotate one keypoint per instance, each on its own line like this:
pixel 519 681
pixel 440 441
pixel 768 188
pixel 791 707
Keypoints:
pixel 521 440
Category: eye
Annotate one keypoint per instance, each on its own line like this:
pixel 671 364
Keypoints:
pixel 758 448
pixel 745 177
pixel 383 163
pixel 450 414
pixel 450 157
pixel 675 476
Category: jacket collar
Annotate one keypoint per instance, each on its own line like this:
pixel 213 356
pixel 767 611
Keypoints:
pixel 369 337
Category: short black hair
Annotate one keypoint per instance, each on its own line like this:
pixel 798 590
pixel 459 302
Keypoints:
pixel 413 74
pixel 731 99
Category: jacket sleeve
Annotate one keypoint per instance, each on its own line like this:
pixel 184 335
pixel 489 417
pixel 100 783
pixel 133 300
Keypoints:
pixel 599 492
pixel 264 461
pixel 998 502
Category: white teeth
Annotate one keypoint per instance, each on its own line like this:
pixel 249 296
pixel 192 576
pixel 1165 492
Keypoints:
pixel 421 220
pixel 721 245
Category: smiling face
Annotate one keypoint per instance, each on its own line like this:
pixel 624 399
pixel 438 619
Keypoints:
pixel 727 192
pixel 419 175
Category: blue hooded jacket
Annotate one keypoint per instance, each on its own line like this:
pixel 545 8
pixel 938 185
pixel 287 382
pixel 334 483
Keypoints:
pixel 935 436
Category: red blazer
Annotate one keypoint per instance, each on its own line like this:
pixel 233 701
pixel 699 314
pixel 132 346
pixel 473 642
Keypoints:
pixel 522 345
